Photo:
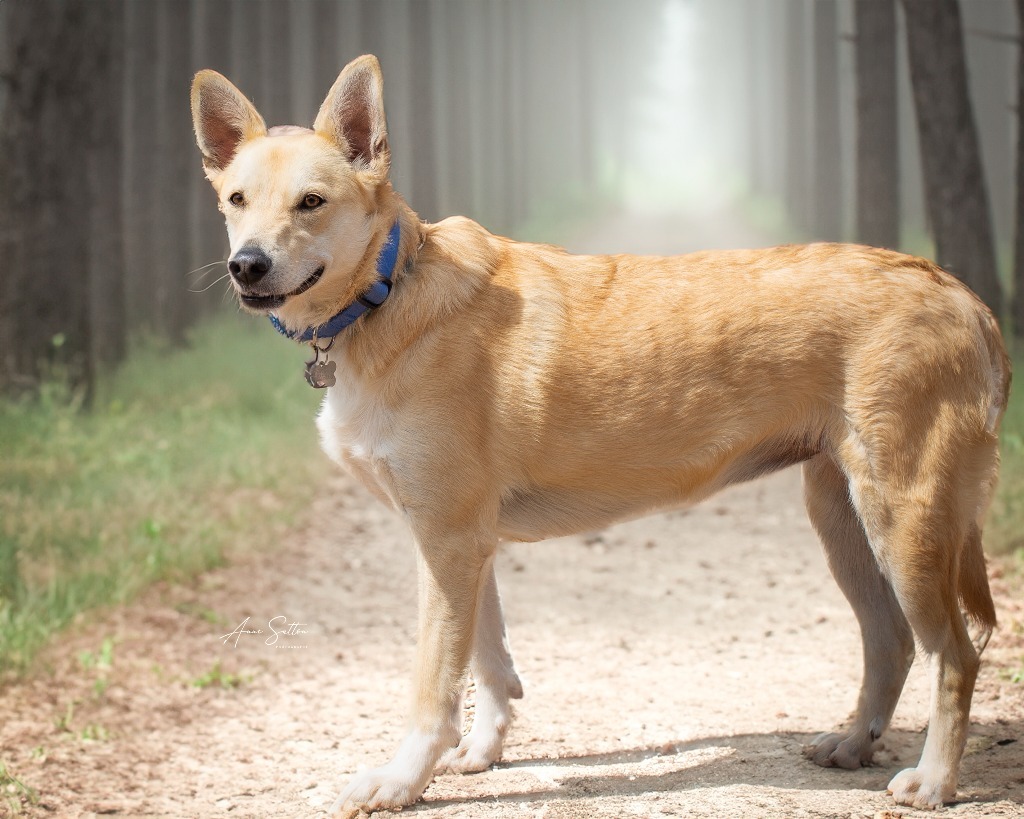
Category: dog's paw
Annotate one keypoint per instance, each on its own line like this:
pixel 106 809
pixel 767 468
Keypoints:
pixel 477 751
pixel 916 789
pixel 840 751
pixel 375 789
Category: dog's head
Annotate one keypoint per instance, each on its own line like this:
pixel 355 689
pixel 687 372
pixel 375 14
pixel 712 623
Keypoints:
pixel 299 203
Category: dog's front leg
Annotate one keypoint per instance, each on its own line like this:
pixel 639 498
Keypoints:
pixel 496 683
pixel 449 585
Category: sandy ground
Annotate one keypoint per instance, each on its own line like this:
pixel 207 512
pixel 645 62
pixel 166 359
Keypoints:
pixel 672 666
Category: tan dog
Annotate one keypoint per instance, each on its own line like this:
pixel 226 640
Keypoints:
pixel 509 391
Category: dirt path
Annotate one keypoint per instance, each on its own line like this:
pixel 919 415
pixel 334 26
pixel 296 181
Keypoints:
pixel 672 666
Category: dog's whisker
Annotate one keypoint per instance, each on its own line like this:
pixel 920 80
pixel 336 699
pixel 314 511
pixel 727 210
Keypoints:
pixel 214 283
pixel 226 296
pixel 203 269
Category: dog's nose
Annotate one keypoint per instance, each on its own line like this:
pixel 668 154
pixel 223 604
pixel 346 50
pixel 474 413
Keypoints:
pixel 249 265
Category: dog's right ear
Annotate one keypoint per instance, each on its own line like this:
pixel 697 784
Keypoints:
pixel 352 116
pixel 223 119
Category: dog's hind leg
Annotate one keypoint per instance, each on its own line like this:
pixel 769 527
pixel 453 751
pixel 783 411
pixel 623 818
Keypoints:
pixel 888 642
pixel 929 600
pixel 920 511
pixel 924 576
pixel 496 683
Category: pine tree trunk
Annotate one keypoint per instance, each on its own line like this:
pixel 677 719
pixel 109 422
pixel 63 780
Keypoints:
pixel 828 198
pixel 798 191
pixel 212 40
pixel 421 83
pixel 957 200
pixel 139 139
pixel 1018 256
pixel 277 106
pixel 103 158
pixel 45 194
pixel 878 176
pixel 175 164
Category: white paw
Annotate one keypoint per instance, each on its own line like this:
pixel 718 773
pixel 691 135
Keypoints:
pixel 916 789
pixel 400 782
pixel 477 751
pixel 378 788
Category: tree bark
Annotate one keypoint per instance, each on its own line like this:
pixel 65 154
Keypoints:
pixel 878 171
pixel 103 157
pixel 276 45
pixel 957 200
pixel 139 139
pixel 1018 255
pixel 798 191
pixel 421 82
pixel 327 57
pixel 45 193
pixel 212 40
pixel 459 107
pixel 171 255
pixel 828 199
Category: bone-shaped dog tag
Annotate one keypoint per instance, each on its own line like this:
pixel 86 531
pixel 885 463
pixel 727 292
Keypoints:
pixel 320 374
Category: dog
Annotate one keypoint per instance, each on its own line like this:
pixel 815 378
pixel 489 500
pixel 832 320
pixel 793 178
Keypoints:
pixel 491 390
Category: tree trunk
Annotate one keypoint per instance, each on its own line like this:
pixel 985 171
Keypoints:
pixel 458 112
pixel 878 173
pixel 421 83
pixel 957 201
pixel 277 84
pixel 103 158
pixel 212 39
pixel 175 162
pixel 247 31
pixel 798 183
pixel 327 56
pixel 139 139
pixel 828 199
pixel 1018 256
pixel 45 193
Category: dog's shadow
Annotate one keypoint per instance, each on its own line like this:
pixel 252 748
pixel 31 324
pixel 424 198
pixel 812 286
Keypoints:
pixel 991 770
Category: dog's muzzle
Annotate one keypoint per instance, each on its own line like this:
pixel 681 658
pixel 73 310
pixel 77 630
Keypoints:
pixel 260 301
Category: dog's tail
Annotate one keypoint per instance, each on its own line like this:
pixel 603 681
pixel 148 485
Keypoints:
pixel 975 595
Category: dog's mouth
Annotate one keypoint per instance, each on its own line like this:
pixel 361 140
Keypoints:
pixel 255 301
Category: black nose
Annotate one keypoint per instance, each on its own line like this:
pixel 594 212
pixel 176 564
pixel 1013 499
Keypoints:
pixel 249 265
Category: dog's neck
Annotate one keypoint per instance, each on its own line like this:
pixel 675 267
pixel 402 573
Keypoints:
pixel 370 299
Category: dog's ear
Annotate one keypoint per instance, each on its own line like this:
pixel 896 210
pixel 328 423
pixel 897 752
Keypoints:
pixel 352 116
pixel 223 119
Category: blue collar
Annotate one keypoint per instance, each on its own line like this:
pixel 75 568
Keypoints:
pixel 374 297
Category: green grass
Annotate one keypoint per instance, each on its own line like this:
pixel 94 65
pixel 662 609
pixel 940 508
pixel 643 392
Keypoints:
pixel 217 677
pixel 14 793
pixel 187 453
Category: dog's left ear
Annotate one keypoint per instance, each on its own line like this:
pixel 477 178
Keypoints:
pixel 352 116
pixel 223 119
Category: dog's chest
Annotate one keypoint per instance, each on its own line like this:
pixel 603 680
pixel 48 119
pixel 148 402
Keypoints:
pixel 355 432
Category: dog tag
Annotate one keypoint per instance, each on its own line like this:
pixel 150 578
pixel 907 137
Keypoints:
pixel 320 374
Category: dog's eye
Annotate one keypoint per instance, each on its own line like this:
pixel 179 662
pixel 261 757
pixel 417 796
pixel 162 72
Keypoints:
pixel 311 201
pixel 237 199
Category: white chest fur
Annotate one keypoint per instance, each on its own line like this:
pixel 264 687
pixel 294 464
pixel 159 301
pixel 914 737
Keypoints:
pixel 356 431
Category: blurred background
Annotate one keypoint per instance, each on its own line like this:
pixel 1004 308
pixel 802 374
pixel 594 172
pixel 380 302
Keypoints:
pixel 799 115
pixel 140 412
